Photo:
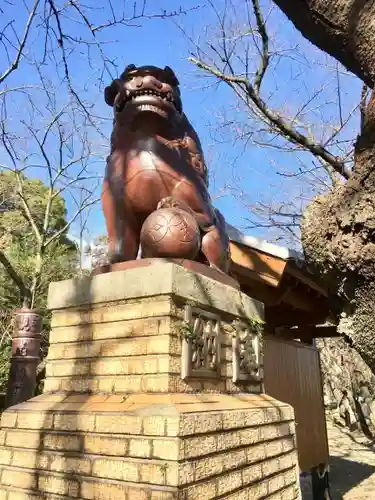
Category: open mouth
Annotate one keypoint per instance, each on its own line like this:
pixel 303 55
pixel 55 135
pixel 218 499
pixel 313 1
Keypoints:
pixel 161 103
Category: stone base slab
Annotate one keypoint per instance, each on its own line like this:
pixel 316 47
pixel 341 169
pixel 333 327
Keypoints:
pixel 151 447
pixel 155 328
pixel 194 266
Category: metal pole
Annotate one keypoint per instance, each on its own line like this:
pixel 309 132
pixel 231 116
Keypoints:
pixel 320 483
pixel 25 356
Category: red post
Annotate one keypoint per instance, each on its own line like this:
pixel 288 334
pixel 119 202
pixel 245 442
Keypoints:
pixel 25 356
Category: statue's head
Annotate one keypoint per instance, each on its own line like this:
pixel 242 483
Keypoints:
pixel 145 89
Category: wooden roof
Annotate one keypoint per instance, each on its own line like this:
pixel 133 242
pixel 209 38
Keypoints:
pixel 294 298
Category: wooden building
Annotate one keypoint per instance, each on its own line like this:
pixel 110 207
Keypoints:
pixel 296 312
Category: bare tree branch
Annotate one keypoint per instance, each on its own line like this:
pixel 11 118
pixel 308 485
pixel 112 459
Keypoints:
pixel 128 21
pixel 275 119
pixel 86 202
pixel 24 291
pixel 50 124
pixel 26 209
pixel 21 47
pixel 265 57
pixel 363 105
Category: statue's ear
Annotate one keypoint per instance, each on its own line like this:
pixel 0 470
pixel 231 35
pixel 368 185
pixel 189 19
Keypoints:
pixel 171 76
pixel 111 92
pixel 130 67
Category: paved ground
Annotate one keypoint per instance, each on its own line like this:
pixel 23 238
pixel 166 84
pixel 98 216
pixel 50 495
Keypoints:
pixel 352 467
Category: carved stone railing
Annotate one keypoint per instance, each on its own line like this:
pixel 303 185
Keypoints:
pixel 202 342
pixel 247 353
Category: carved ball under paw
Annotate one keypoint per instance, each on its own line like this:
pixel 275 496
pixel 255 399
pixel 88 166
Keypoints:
pixel 170 232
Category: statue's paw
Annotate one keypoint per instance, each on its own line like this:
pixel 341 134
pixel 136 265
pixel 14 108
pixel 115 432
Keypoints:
pixel 116 253
pixel 171 202
pixel 167 202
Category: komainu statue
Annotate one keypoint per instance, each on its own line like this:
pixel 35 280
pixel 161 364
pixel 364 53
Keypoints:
pixel 155 189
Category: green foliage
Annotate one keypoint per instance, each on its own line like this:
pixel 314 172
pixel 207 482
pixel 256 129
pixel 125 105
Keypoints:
pixel 187 331
pixel 59 262
pixel 253 323
pixel 13 223
pixel 19 245
pixel 5 346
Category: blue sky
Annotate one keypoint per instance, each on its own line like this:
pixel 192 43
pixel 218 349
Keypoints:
pixel 289 85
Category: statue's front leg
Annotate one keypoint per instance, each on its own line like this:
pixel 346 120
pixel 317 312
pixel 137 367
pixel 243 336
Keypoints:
pixel 215 251
pixel 122 227
pixel 113 213
pixel 215 244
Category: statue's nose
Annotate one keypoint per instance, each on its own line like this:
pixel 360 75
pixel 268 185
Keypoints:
pixel 150 82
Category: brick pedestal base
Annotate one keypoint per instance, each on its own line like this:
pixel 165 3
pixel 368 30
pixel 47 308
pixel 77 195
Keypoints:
pixel 152 392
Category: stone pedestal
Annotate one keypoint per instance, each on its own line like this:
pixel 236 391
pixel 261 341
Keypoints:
pixel 153 391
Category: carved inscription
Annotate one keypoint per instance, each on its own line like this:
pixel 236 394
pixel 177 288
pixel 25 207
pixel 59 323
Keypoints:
pixel 247 353
pixel 28 323
pixel 201 344
pixel 15 394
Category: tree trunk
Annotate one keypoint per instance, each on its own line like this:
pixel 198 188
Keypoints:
pixel 345 29
pixel 338 236
pixel 338 229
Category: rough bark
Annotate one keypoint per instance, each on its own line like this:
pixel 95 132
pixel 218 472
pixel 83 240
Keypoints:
pixel 338 229
pixel 345 29
pixel 338 236
pixel 348 386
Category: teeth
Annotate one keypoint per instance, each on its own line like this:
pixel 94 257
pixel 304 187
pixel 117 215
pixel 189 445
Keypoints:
pixel 165 96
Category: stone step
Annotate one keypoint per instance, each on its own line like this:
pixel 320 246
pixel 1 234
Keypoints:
pixel 176 445
pixel 9 493
pixel 146 470
pixel 133 384
pixel 140 346
pixel 146 383
pixel 115 445
pixel 153 383
pixel 140 462
pixel 19 483
pixel 155 447
pixel 125 364
pixel 112 331
pixel 126 317
pixel 105 493
pixel 116 365
pixel 147 414
pixel 288 493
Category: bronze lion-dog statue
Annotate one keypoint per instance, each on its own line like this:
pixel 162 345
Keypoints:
pixel 156 161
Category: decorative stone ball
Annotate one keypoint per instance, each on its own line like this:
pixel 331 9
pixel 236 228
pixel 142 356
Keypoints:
pixel 170 232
